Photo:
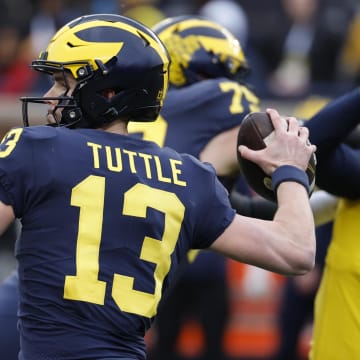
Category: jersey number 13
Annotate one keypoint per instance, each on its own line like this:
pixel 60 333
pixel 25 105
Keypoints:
pixel 85 285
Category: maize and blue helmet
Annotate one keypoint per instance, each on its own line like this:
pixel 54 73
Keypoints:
pixel 105 51
pixel 200 49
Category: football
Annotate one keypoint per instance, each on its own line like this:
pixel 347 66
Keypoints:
pixel 254 130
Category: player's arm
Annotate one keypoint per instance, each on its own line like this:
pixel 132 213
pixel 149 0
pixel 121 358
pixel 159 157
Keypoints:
pixel 323 206
pixel 7 216
pixel 334 122
pixel 219 151
pixel 14 168
pixel 234 102
pixel 286 244
pixel 338 169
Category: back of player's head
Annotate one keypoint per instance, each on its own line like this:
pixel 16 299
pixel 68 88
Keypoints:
pixel 102 52
pixel 200 49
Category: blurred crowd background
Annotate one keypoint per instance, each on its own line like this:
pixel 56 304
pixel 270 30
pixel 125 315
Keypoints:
pixel 295 47
pixel 302 53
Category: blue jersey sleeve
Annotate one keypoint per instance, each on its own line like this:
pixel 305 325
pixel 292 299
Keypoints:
pixel 15 152
pixel 216 213
pixel 338 169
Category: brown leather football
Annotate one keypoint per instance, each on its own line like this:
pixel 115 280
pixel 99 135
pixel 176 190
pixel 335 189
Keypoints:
pixel 254 129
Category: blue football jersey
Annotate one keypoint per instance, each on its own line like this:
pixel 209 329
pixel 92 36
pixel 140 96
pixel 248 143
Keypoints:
pixel 195 114
pixel 106 219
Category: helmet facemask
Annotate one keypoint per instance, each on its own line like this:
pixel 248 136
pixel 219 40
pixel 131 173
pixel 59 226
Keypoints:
pixel 67 111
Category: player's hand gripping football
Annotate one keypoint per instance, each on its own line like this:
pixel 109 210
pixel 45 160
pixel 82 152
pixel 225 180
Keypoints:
pixel 288 144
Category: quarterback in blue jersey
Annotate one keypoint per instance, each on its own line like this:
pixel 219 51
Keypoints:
pixel 205 105
pixel 106 218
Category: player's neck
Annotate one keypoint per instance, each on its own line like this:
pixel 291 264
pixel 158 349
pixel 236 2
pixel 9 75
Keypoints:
pixel 117 127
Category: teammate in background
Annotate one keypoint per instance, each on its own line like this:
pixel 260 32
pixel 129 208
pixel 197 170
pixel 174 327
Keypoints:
pixel 297 306
pixel 106 218
pixel 337 316
pixel 205 105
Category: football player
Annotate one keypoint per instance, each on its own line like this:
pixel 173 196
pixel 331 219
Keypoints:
pixel 107 218
pixel 337 315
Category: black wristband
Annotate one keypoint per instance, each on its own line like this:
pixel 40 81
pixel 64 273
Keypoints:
pixel 289 173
